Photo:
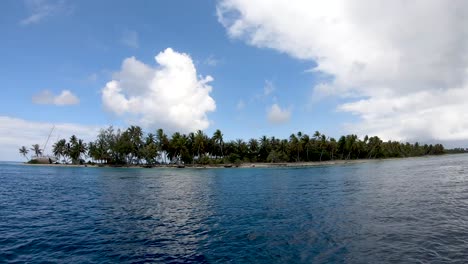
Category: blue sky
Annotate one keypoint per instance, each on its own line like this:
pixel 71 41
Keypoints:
pixel 258 55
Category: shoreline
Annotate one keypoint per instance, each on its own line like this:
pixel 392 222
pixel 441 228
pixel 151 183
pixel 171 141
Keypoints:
pixel 300 164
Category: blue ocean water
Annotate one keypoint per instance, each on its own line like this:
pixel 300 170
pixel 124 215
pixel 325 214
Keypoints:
pixel 394 211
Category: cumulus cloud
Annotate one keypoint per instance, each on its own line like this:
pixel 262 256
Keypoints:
pixel 64 98
pixel 130 39
pixel 170 96
pixel 407 59
pixel 16 132
pixel 41 9
pixel 276 115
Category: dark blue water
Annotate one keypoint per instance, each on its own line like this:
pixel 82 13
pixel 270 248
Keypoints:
pixel 409 210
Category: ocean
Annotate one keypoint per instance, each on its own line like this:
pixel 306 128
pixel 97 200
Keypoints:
pixel 411 210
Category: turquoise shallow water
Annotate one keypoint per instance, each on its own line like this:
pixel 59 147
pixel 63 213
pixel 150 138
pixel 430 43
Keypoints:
pixel 408 210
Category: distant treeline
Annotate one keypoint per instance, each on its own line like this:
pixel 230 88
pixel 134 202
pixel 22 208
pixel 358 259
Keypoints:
pixel 133 147
pixel 456 151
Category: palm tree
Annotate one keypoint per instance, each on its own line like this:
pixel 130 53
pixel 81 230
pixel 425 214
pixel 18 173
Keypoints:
pixel 81 149
pixel 253 149
pixel 283 150
pixel 163 143
pixel 264 148
pixel 177 147
pixel 218 140
pixel 75 149
pixel 351 144
pixel 200 142
pixel 305 139
pixel 59 148
pixel 136 143
pixel 332 147
pixel 37 150
pixel 191 145
pixel 317 135
pixel 322 144
pixel 150 150
pixel 242 148
pixel 294 144
pixel 24 151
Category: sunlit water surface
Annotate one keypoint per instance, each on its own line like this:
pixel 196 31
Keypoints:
pixel 408 210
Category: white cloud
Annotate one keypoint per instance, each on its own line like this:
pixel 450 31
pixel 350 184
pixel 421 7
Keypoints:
pixel 41 9
pixel 15 132
pixel 392 53
pixel 424 115
pixel 211 61
pixel 268 89
pixel 170 96
pixel 276 115
pixel 130 39
pixel 64 98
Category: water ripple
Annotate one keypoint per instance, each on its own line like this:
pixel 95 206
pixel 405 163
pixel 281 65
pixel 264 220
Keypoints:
pixel 404 211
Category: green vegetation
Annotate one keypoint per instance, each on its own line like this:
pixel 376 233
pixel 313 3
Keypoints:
pixel 24 151
pixel 71 151
pixel 36 149
pixel 456 151
pixel 133 147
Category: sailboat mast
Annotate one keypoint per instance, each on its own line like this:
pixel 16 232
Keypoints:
pixel 47 141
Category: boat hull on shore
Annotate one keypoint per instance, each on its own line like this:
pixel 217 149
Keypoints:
pixel 43 160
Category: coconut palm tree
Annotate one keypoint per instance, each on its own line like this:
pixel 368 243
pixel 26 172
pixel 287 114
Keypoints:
pixel 75 149
pixel 265 147
pixel 163 143
pixel 322 144
pixel 332 146
pixel 81 149
pixel 305 139
pixel 24 151
pixel 294 145
pixel 135 135
pixel 253 149
pixel 218 140
pixel 59 148
pixel 200 142
pixel 37 150
pixel 150 149
pixel 241 148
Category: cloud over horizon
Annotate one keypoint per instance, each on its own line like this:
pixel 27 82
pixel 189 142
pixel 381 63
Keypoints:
pixel 170 96
pixel 66 97
pixel 41 9
pixel 17 132
pixel 402 65
pixel 277 115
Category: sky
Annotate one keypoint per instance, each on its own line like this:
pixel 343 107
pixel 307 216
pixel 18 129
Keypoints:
pixel 396 69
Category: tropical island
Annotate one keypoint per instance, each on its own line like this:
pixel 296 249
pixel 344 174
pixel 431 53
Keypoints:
pixel 133 147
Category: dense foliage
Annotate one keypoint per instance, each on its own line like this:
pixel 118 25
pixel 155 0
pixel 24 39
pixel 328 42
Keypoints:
pixel 133 147
pixel 456 151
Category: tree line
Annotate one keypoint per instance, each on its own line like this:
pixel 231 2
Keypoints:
pixel 134 147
